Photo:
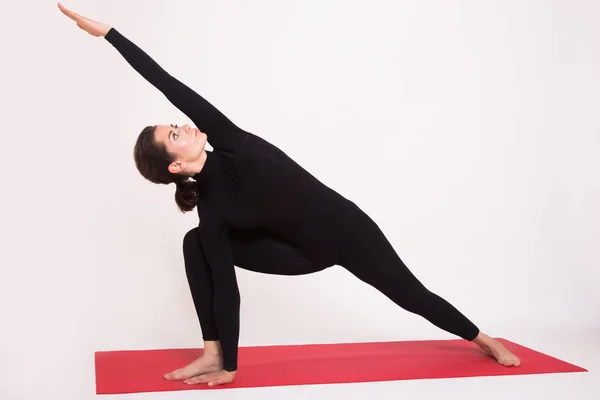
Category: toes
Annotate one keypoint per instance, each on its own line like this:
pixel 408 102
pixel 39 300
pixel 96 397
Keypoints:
pixel 176 375
pixel 510 361
pixel 168 376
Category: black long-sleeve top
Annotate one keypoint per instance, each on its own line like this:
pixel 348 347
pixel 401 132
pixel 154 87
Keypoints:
pixel 245 183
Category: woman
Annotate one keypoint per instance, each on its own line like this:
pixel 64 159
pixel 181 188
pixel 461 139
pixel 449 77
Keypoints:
pixel 261 211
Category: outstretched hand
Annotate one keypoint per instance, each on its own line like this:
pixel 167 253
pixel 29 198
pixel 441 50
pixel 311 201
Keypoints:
pixel 92 27
pixel 213 379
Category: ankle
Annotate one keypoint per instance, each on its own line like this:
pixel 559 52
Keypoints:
pixel 212 348
pixel 482 340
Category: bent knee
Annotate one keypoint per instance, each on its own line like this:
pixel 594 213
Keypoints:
pixel 191 239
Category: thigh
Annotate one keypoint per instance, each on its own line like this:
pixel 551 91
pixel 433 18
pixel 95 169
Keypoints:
pixel 366 252
pixel 261 251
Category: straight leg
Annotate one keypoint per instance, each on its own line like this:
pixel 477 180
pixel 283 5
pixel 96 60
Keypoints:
pixel 367 254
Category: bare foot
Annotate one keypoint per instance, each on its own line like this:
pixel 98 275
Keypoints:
pixel 202 365
pixel 497 350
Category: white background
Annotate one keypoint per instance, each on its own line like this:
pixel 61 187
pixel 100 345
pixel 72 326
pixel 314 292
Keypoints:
pixel 468 130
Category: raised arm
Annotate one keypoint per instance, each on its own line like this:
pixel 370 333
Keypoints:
pixel 221 132
pixel 206 117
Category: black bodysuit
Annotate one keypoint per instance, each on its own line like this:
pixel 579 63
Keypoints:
pixel 260 210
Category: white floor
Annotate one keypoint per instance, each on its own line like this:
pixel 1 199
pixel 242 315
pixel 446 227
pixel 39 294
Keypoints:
pixel 582 349
pixel 66 372
pixel 64 379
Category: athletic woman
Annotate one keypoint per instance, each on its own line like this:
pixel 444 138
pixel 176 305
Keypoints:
pixel 261 211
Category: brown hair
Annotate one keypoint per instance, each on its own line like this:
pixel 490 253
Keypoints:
pixel 152 161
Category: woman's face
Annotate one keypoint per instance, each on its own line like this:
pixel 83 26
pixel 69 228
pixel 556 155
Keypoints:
pixel 185 143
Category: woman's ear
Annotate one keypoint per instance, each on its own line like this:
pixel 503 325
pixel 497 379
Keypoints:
pixel 176 167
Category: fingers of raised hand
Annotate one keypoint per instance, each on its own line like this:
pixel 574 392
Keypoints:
pixel 69 13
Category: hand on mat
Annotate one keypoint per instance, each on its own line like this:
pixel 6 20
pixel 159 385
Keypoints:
pixel 92 27
pixel 213 378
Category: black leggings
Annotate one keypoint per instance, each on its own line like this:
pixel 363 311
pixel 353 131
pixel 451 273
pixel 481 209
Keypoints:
pixel 364 251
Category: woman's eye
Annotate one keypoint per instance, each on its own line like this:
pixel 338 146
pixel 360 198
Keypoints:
pixel 175 136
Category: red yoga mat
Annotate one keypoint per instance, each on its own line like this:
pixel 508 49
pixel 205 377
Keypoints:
pixel 136 371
